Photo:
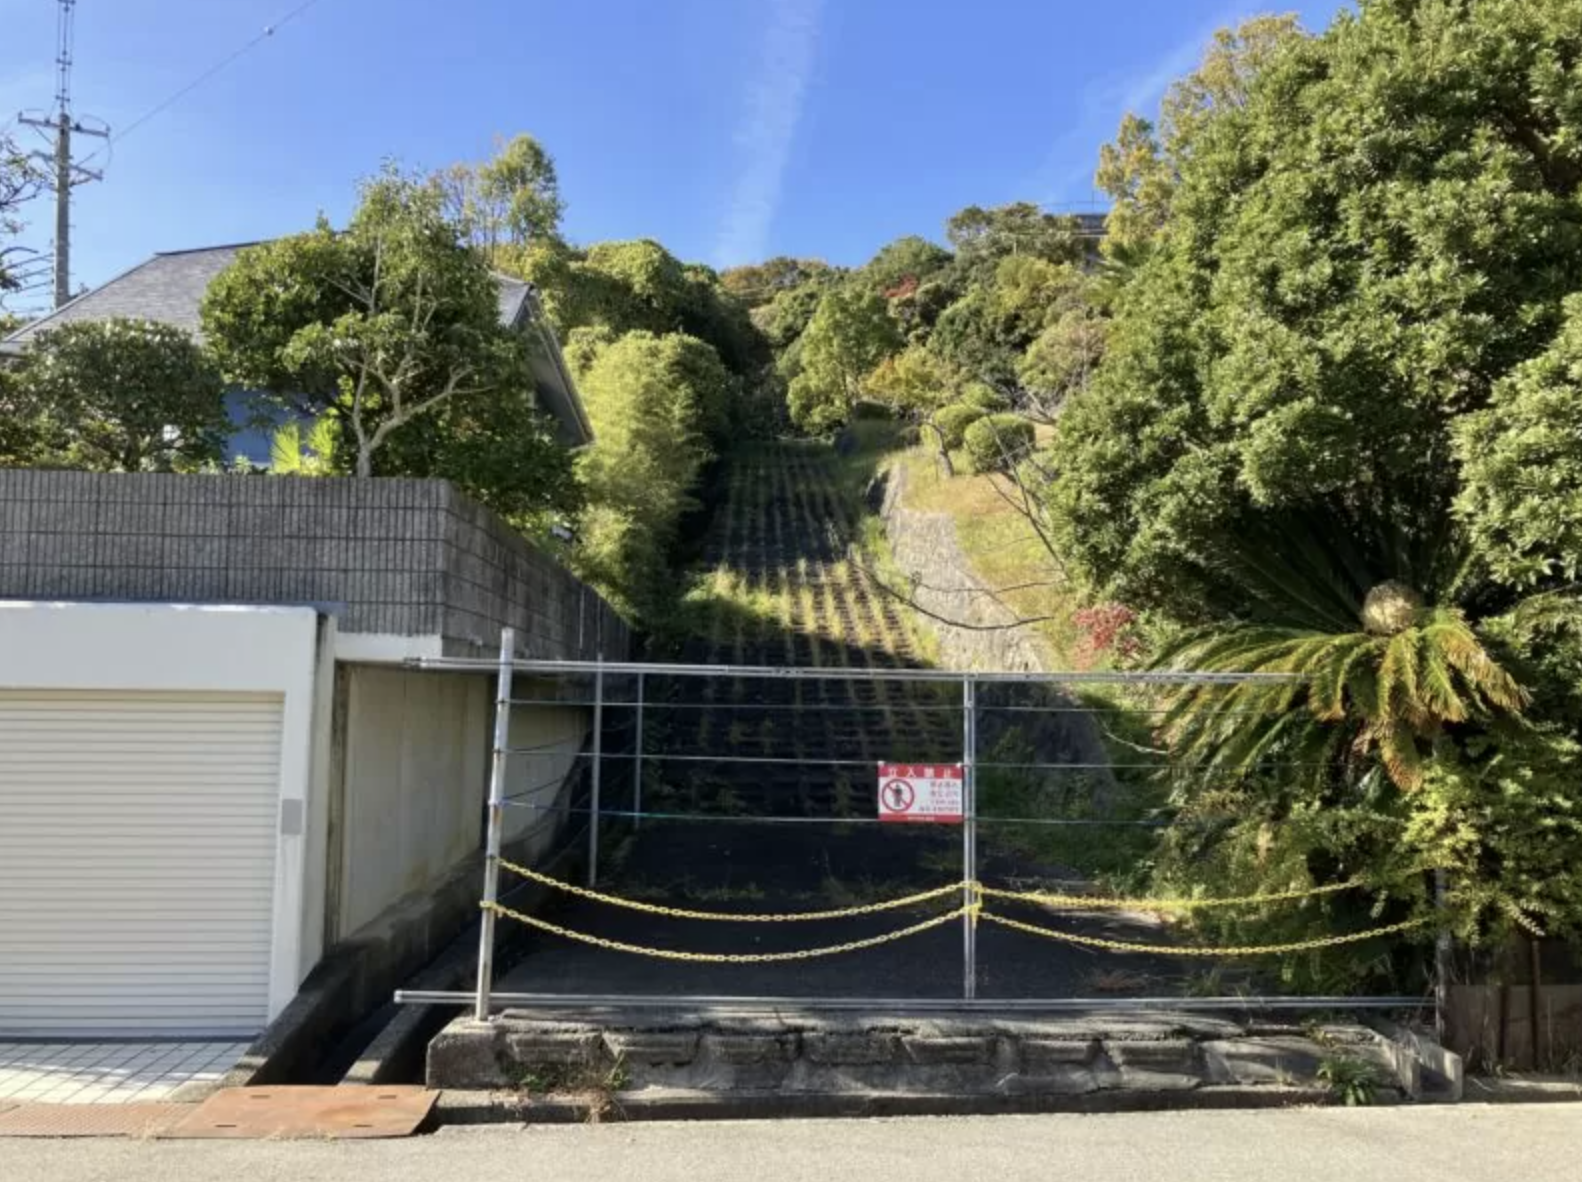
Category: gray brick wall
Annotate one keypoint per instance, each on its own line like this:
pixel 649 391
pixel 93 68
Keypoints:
pixel 408 557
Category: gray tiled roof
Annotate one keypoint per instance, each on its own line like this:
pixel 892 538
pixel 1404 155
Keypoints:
pixel 169 288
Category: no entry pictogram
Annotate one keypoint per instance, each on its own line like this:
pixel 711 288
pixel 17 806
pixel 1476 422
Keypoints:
pixel 920 792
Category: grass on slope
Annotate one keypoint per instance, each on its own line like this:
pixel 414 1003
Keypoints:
pixel 1004 549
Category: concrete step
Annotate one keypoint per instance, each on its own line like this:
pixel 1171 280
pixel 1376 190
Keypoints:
pixel 845 1058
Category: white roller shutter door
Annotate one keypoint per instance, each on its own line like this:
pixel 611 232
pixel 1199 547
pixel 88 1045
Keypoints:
pixel 137 858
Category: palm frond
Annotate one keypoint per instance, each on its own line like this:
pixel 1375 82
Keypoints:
pixel 285 449
pixel 1397 691
pixel 1329 691
pixel 1490 685
pixel 1398 749
pixel 1437 689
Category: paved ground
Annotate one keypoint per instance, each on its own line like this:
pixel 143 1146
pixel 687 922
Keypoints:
pixel 108 1072
pixel 785 869
pixel 1535 1143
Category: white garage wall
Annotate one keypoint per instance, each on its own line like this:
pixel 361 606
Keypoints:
pixel 76 646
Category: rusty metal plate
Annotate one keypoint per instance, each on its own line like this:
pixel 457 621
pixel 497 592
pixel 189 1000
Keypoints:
pixel 91 1120
pixel 284 1113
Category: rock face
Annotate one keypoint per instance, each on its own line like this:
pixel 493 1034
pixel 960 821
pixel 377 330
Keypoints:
pixel 963 1055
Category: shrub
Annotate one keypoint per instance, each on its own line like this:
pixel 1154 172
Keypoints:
pixel 985 397
pixel 871 411
pixel 995 442
pixel 953 421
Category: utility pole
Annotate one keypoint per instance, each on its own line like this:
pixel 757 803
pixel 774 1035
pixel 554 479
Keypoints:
pixel 67 172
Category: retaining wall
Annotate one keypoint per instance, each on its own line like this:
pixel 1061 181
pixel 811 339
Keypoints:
pixel 387 556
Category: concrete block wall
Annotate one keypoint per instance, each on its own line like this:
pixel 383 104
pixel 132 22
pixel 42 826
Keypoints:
pixel 388 556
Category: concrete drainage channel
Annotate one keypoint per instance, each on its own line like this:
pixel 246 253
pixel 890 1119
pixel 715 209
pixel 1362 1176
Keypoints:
pixel 658 1065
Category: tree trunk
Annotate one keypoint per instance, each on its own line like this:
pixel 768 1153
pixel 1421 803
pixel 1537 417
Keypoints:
pixel 939 446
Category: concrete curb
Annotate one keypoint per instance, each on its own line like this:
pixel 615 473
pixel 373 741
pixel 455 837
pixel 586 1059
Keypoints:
pixel 486 1108
pixel 1431 1072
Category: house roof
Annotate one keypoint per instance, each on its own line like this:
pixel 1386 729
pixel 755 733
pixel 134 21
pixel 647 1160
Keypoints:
pixel 169 288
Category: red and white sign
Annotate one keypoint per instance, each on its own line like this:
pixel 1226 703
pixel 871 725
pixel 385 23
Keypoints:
pixel 920 792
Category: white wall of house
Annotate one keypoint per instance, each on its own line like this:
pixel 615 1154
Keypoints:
pixel 198 655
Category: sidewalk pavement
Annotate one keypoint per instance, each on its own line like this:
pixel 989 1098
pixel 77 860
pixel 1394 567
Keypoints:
pixel 1465 1143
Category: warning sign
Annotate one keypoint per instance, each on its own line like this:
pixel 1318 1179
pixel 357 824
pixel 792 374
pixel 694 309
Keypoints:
pixel 920 792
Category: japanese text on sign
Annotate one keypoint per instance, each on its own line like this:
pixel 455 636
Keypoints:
pixel 920 792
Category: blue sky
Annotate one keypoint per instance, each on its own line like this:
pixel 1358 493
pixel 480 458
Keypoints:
pixel 727 129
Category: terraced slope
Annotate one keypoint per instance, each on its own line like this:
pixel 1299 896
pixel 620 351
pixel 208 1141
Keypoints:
pixel 780 592
pixel 760 792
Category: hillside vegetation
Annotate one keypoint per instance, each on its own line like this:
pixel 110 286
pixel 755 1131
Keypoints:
pixel 1308 403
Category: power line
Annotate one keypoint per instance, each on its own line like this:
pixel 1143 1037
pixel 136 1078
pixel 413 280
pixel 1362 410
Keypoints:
pixel 220 66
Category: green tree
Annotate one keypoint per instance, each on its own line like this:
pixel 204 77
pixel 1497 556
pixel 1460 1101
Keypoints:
pixel 1140 169
pixel 392 327
pixel 1062 358
pixel 507 203
pixel 982 237
pixel 916 384
pixel 1380 229
pixel 1521 465
pixel 652 400
pixel 640 286
pixel 849 335
pixel 20 181
pixel 997 442
pixel 1348 328
pixel 783 319
pixel 904 263
pixel 976 336
pixel 757 284
pixel 114 396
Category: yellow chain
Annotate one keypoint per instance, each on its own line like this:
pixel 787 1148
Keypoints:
pixel 727 917
pixel 730 958
pixel 1095 902
pixel 1168 950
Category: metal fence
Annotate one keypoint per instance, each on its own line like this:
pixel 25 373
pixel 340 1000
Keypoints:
pixel 640 776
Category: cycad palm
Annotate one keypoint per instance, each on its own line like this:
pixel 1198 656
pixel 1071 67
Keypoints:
pixel 1386 687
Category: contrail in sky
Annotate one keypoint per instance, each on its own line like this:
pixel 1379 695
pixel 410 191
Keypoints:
pixel 773 108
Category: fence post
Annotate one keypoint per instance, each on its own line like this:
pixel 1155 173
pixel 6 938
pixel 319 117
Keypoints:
pixel 1442 960
pixel 637 762
pixel 598 769
pixel 491 859
pixel 969 838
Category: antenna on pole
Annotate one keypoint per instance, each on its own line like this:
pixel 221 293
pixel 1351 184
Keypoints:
pixel 67 173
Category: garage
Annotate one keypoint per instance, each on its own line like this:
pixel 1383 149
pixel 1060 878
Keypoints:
pixel 137 850
pixel 154 783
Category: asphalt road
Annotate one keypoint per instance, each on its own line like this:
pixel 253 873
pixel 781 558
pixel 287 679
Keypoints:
pixel 1471 1143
